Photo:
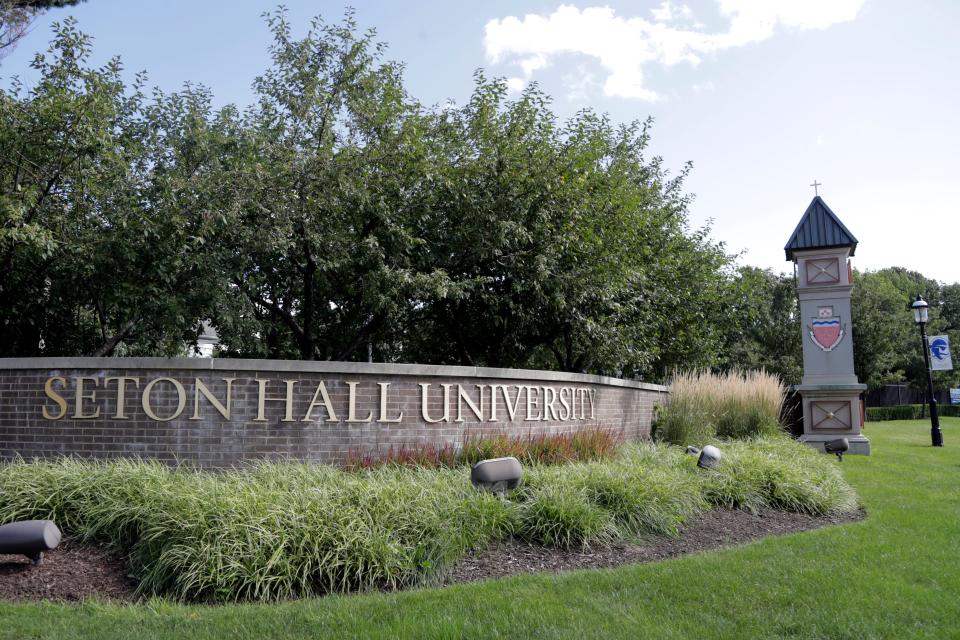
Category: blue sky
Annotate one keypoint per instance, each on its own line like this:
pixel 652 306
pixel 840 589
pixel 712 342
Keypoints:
pixel 762 95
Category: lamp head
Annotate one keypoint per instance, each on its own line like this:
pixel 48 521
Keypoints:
pixel 920 310
pixel 497 474
pixel 709 457
pixel 839 446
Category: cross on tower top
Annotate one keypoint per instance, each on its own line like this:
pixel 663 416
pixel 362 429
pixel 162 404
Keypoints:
pixel 816 184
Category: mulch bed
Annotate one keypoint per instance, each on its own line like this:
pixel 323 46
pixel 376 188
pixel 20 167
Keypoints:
pixel 76 572
pixel 69 573
pixel 712 529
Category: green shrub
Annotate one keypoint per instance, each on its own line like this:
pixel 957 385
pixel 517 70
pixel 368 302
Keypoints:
pixel 909 412
pixel 726 405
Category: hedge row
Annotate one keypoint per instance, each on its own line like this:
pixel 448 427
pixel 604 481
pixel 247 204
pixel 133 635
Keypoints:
pixel 909 412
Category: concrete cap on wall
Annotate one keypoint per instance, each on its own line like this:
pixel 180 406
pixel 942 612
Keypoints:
pixel 320 366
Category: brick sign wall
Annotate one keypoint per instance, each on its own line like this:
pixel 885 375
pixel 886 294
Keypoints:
pixel 218 413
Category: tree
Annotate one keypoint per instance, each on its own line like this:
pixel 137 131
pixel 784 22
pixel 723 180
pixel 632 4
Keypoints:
pixel 337 218
pixel 763 324
pixel 887 344
pixel 884 338
pixel 565 246
pixel 323 170
pixel 17 15
pixel 97 252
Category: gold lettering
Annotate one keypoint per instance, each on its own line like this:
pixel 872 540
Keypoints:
pixel 352 406
pixel 549 402
pixel 565 403
pixel 78 413
pixel 383 404
pixel 511 408
pixel 493 402
pixel 531 404
pixel 477 410
pixel 122 394
pixel 327 405
pixel 181 399
pixel 262 400
pixel 56 397
pixel 200 388
pixel 424 396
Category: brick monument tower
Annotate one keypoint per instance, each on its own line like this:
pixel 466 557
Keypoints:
pixel 821 247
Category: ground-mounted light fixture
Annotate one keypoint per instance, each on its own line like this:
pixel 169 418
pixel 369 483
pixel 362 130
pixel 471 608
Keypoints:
pixel 709 456
pixel 839 446
pixel 30 538
pixel 497 475
pixel 921 316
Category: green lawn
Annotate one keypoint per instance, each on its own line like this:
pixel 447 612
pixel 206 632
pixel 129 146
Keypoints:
pixel 894 575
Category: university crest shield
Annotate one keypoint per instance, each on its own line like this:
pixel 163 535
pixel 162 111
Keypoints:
pixel 826 331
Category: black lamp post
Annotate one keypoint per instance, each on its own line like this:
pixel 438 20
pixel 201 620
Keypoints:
pixel 920 315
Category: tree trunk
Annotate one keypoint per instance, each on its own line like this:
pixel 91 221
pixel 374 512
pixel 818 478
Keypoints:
pixel 106 349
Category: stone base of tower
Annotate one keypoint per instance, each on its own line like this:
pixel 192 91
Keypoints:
pixel 832 411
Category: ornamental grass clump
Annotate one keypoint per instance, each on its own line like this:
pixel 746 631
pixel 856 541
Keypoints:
pixel 735 404
pixel 645 490
pixel 563 515
pixel 775 472
pixel 276 530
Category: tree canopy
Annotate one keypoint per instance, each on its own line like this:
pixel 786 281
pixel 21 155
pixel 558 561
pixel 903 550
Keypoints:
pixel 336 217
pixel 17 15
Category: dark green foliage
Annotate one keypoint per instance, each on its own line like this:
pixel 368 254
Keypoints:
pixel 764 324
pixel 886 341
pixel 102 225
pixel 338 218
pixel 765 330
pixel 909 412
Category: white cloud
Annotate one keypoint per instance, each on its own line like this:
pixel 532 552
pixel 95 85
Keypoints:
pixel 624 46
pixel 704 86
pixel 669 12
pixel 516 85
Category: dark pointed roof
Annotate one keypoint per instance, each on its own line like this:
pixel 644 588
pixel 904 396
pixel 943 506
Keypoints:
pixel 820 228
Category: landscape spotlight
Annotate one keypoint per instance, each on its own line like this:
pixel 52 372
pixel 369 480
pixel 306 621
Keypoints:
pixel 497 475
pixel 838 446
pixel 920 316
pixel 709 457
pixel 30 538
